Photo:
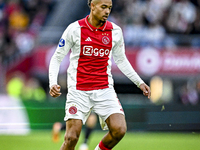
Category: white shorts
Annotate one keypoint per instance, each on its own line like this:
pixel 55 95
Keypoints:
pixel 103 102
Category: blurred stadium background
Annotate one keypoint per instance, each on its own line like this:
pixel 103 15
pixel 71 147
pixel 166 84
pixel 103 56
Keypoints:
pixel 162 43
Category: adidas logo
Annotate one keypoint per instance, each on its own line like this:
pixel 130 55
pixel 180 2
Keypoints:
pixel 88 39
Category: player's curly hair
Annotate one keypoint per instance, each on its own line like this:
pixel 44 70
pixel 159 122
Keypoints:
pixel 89 3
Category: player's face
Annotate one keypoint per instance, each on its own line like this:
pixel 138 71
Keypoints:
pixel 101 9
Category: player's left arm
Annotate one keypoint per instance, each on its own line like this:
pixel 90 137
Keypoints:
pixel 145 89
pixel 125 66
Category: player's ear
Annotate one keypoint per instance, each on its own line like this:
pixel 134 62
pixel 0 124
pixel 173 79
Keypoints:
pixel 92 6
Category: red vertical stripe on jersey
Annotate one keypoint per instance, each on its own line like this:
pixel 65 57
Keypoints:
pixel 96 46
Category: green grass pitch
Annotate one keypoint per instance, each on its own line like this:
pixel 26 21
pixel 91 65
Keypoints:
pixel 42 140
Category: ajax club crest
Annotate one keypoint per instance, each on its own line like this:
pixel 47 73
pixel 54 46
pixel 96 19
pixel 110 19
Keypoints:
pixel 105 40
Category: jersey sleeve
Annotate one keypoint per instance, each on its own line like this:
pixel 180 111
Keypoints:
pixel 65 44
pixel 122 61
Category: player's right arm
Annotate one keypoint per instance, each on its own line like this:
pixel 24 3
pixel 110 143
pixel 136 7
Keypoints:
pixel 62 49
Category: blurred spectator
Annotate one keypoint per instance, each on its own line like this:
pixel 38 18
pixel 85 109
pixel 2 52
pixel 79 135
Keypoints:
pixel 189 94
pixel 25 89
pixel 196 25
pixel 12 6
pixel 25 42
pixel 18 20
pixel 119 6
pixel 9 50
pixel 196 29
pixel 16 84
pixel 134 28
pixel 144 18
pixel 198 90
pixel 118 15
pixel 135 9
pixel 181 17
pixel 154 35
pixel 154 10
pixel 134 33
pixel 38 19
pixel 33 91
pixel 30 7
pixel 2 13
pixel 20 23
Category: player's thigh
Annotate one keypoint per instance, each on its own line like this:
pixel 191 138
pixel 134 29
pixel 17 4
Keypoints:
pixel 73 128
pixel 106 103
pixel 78 105
pixel 92 120
pixel 117 123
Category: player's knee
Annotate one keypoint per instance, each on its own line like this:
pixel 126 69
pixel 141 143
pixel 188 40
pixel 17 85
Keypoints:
pixel 119 132
pixel 71 139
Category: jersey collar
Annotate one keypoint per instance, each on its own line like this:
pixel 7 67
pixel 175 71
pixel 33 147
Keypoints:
pixel 104 27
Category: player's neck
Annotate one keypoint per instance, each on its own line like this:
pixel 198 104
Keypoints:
pixel 94 22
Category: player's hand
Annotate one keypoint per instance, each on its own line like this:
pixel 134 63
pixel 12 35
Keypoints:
pixel 55 91
pixel 146 90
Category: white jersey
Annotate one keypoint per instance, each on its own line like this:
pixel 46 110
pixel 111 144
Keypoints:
pixel 90 58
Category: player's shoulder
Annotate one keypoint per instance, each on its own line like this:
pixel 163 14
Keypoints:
pixel 73 26
pixel 116 27
pixel 117 31
pixel 71 29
